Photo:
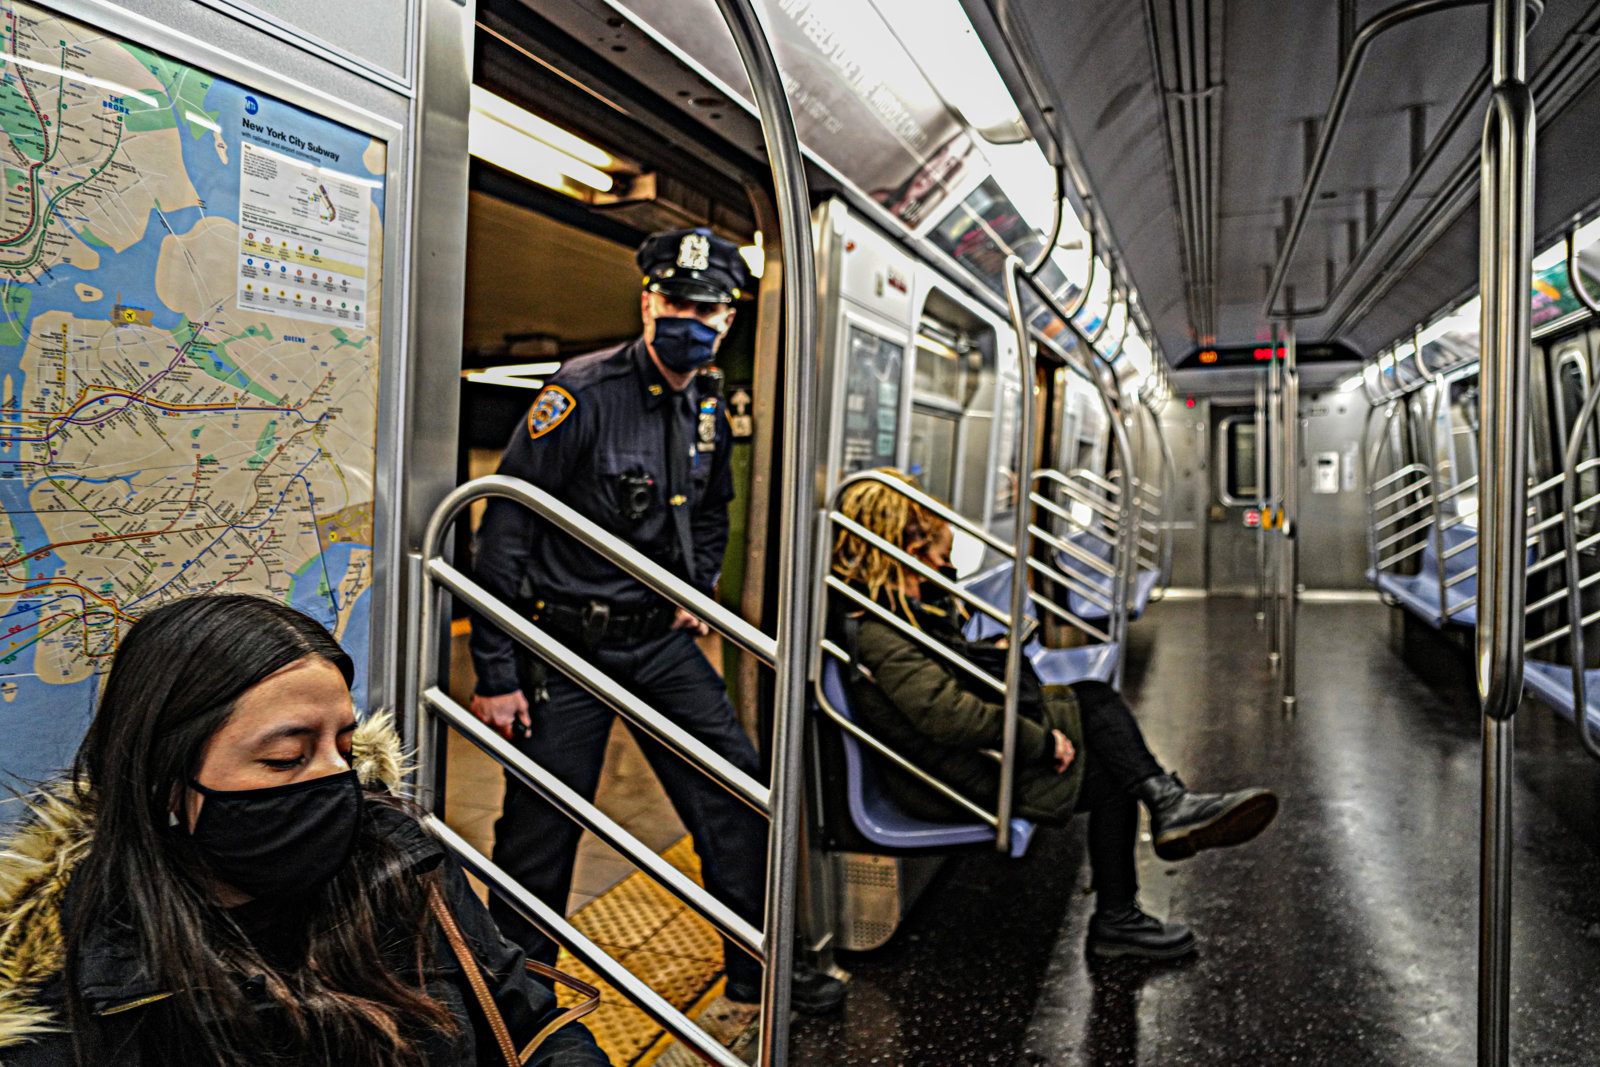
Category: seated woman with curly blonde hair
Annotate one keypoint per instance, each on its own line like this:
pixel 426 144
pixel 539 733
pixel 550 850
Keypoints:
pixel 1078 746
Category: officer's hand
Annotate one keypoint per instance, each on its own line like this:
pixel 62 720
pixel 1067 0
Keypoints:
pixel 502 711
pixel 1064 752
pixel 684 621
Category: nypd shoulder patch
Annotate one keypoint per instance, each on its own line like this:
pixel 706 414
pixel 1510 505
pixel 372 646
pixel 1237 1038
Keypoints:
pixel 552 405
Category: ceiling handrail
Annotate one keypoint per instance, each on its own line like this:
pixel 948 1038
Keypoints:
pixel 1376 27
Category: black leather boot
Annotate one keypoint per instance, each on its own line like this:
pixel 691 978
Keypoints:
pixel 1182 823
pixel 1133 933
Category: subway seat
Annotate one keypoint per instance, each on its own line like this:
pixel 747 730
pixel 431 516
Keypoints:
pixel 1055 666
pixel 1552 683
pixel 1419 593
pixel 1144 580
pixel 876 814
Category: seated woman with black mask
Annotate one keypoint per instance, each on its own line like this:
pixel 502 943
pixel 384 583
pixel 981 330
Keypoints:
pixel 226 878
pixel 1078 747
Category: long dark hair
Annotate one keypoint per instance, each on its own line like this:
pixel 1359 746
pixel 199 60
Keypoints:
pixel 173 684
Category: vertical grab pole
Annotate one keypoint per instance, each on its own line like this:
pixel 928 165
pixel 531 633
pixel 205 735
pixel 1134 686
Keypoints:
pixel 1290 513
pixel 800 506
pixel 1267 443
pixel 1505 277
pixel 1261 498
pixel 1019 566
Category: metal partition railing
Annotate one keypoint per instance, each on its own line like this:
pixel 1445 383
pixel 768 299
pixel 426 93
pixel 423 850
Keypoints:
pixel 1098 369
pixel 428 708
pixel 1005 688
pixel 436 580
pixel 1090 575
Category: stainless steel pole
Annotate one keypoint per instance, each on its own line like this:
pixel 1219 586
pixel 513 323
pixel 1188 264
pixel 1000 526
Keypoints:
pixel 1268 443
pixel 1505 277
pixel 1261 498
pixel 801 504
pixel 1019 564
pixel 1290 524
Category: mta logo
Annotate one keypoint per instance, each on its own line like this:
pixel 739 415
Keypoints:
pixel 250 105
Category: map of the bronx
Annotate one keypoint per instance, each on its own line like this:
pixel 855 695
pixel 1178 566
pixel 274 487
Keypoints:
pixel 186 403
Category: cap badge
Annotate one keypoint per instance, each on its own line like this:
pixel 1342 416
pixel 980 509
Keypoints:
pixel 694 252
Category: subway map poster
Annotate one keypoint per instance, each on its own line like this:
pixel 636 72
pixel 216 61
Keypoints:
pixel 190 303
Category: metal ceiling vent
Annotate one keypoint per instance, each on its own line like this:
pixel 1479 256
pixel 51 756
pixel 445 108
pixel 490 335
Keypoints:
pixel 1186 52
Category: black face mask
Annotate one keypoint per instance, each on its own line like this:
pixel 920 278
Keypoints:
pixel 934 594
pixel 286 839
pixel 684 344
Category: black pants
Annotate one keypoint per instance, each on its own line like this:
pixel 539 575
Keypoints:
pixel 537 844
pixel 1116 760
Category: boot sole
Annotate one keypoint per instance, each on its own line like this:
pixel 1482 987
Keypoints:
pixel 1234 826
pixel 1112 950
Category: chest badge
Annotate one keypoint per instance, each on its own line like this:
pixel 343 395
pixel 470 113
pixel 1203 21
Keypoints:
pixel 551 406
pixel 708 424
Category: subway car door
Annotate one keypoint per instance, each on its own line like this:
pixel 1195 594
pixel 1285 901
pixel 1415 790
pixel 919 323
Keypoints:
pixel 1235 515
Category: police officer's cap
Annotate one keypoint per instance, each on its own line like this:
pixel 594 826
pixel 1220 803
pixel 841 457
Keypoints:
pixel 694 265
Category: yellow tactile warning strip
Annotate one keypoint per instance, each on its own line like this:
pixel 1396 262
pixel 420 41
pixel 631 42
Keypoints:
pixel 661 941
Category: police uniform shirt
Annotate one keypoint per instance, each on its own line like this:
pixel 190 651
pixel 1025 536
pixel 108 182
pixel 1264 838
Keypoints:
pixel 596 438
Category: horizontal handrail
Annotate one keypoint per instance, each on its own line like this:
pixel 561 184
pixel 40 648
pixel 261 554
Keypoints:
pixel 1403 554
pixel 1080 496
pixel 1098 528
pixel 1401 493
pixel 926 572
pixel 605 544
pixel 603 686
pixel 933 644
pixel 1039 567
pixel 1459 488
pixel 597 822
pixel 1409 468
pixel 939 508
pixel 1410 531
pixel 1077 552
pixel 586 952
pixel 1410 509
pixel 855 730
pixel 1084 587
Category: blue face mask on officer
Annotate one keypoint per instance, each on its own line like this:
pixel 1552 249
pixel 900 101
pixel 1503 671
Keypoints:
pixel 684 344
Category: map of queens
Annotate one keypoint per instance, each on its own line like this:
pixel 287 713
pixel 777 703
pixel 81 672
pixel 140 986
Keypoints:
pixel 186 404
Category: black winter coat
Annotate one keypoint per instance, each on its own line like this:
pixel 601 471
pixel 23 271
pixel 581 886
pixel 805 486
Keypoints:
pixel 35 887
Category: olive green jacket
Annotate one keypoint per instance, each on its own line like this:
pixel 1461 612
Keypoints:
pixel 915 703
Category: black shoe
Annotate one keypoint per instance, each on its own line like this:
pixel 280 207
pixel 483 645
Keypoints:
pixel 811 992
pixel 1182 823
pixel 1133 933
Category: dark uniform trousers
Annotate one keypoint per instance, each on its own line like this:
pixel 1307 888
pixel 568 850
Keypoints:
pixel 537 844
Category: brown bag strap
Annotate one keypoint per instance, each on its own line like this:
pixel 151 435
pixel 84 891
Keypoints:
pixel 497 1023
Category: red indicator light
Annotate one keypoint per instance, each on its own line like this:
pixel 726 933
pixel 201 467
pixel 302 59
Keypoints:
pixel 1208 356
pixel 1189 401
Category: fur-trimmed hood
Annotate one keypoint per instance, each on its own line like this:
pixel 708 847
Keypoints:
pixel 36 865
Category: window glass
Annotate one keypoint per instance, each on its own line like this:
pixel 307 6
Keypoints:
pixel 872 401
pixel 1240 471
pixel 933 451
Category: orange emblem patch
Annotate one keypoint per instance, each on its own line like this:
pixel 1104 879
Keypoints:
pixel 551 406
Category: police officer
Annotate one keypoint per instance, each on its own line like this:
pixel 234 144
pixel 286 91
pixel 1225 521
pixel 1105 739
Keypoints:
pixel 630 438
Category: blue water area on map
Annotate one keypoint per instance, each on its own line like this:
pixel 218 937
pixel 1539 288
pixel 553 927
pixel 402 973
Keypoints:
pixel 42 728
pixel 313 589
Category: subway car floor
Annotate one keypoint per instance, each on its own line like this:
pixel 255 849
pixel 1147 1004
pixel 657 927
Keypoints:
pixel 1347 934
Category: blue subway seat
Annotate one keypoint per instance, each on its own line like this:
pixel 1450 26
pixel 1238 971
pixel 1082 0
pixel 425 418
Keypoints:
pixel 1144 579
pixel 876 814
pixel 1419 593
pixel 1552 683
pixel 1055 666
